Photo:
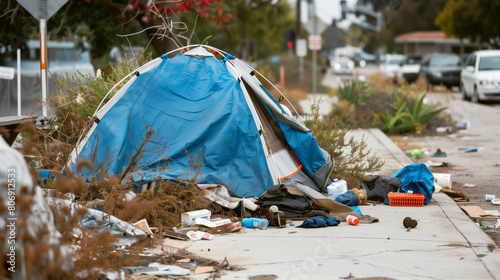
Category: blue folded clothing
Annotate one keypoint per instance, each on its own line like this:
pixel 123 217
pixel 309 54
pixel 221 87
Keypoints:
pixel 319 221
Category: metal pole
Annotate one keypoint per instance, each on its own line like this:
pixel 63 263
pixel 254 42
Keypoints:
pixel 314 72
pixel 18 82
pixel 315 58
pixel 43 64
pixel 301 68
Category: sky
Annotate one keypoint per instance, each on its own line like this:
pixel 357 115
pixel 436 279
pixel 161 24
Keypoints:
pixel 327 10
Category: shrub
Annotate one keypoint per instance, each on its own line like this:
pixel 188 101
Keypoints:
pixel 352 158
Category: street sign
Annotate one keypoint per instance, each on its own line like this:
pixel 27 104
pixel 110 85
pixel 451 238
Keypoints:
pixel 7 73
pixel 314 42
pixel 301 47
pixel 42 8
pixel 315 25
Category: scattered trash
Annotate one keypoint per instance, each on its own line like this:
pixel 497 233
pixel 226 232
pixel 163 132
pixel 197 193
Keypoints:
pixel 352 220
pixel 186 260
pixel 275 217
pixel 489 197
pixel 130 196
pixel 473 211
pixel 156 269
pixel 444 129
pixel 337 187
pixel 255 223
pixel 190 217
pixel 234 227
pixel 467 185
pixel 220 195
pixel 436 164
pixel 416 152
pixel 464 124
pixel 481 150
pixel 212 223
pixel 350 276
pixel 199 235
pixel 495 201
pixel 443 179
pixel 439 153
pixel 175 235
pixel 143 225
pixel 203 269
pixel 171 246
pixel 409 223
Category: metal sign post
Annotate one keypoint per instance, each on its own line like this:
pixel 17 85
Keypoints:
pixel 315 26
pixel 43 10
pixel 301 51
pixel 18 82
pixel 43 64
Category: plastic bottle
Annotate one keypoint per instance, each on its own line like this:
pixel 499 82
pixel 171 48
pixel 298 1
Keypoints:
pixel 255 223
pixel 416 152
pixel 353 220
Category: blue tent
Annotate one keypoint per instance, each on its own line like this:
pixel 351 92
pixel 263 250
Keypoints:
pixel 196 117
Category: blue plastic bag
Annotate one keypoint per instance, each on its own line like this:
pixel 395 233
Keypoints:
pixel 418 178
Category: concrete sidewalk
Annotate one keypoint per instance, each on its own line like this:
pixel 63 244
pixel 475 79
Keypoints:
pixel 446 244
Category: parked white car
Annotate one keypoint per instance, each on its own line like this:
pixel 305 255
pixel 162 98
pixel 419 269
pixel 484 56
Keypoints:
pixel 480 77
pixel 342 66
pixel 391 64
pixel 409 69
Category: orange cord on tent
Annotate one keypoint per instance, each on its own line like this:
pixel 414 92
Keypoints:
pixel 295 172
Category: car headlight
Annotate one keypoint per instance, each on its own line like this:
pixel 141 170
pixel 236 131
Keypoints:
pixel 436 74
pixel 336 66
pixel 484 82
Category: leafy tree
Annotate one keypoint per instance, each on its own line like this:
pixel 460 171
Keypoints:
pixel 476 20
pixel 406 16
pixel 99 21
pixel 260 23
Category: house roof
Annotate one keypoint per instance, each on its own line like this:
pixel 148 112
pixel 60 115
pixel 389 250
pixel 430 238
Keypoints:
pixel 428 37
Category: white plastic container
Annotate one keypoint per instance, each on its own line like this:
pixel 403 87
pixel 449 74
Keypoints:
pixel 190 217
pixel 336 188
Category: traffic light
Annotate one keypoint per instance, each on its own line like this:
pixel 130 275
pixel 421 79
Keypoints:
pixel 289 38
pixel 343 9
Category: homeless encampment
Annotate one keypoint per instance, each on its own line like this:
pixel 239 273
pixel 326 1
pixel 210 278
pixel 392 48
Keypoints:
pixel 196 109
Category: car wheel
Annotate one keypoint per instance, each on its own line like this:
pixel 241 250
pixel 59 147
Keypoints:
pixel 475 96
pixel 464 93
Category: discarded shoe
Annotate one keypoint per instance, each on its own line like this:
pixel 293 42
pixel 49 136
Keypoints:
pixel 439 153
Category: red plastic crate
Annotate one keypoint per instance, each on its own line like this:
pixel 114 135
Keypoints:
pixel 406 199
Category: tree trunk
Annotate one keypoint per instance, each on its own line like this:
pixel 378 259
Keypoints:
pixel 245 53
pixel 255 50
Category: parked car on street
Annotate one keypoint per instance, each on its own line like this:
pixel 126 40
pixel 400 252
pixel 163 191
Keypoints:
pixel 390 64
pixel 342 66
pixel 480 78
pixel 441 68
pixel 362 58
pixel 63 58
pixel 409 69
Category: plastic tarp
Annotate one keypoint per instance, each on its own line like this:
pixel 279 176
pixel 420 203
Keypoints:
pixel 417 178
pixel 194 106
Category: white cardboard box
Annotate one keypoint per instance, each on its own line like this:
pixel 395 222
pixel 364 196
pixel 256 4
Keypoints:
pixel 190 217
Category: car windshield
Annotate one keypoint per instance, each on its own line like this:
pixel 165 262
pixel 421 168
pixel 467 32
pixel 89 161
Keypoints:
pixel 489 63
pixel 395 61
pixel 445 61
pixel 412 61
